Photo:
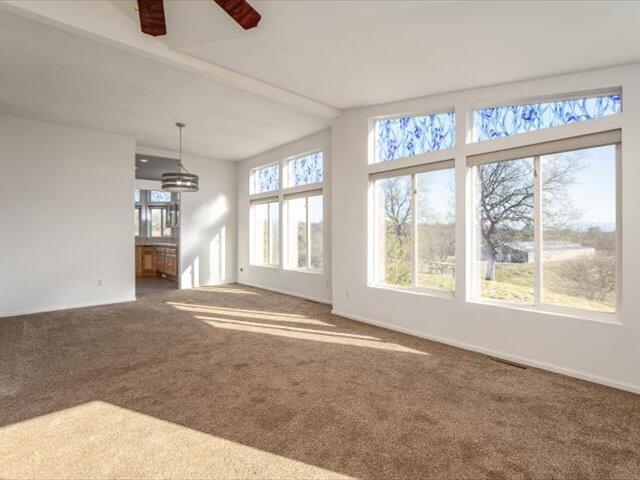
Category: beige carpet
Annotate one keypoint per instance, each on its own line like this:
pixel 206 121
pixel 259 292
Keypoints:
pixel 235 382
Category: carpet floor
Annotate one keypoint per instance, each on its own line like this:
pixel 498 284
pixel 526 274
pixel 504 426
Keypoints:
pixel 238 382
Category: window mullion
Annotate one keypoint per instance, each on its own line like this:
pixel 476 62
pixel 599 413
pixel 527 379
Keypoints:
pixel 306 207
pixel 269 259
pixel 537 231
pixel 414 233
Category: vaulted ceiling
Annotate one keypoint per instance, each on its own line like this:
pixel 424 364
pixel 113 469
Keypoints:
pixel 243 92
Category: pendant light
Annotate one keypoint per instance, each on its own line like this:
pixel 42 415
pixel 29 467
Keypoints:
pixel 183 180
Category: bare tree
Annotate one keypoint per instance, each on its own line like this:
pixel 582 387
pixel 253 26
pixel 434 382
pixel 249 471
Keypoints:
pixel 506 196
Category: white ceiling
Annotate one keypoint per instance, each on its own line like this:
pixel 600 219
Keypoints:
pixel 240 93
pixel 417 48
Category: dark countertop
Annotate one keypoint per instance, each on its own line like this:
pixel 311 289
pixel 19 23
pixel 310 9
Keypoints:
pixel 172 245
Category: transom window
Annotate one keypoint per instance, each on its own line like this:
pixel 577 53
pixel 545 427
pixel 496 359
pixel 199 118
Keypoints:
pixel 304 170
pixel 547 224
pixel 159 196
pixel 264 179
pixel 414 227
pixel 498 122
pixel 407 136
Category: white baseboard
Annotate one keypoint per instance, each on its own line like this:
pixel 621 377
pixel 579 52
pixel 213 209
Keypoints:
pixel 286 292
pixel 495 353
pixel 68 307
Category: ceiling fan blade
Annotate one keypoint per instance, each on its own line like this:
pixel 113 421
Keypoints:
pixel 152 17
pixel 241 12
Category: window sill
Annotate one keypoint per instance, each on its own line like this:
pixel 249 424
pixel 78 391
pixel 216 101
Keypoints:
pixel 272 267
pixel 599 317
pixel 305 270
pixel 427 292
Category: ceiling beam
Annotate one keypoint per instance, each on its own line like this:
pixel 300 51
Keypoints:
pixel 102 22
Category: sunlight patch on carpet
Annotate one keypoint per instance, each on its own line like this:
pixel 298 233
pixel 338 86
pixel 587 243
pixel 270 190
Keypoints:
pixel 99 440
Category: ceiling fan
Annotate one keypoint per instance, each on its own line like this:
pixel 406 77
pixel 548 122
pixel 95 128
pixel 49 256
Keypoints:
pixel 152 15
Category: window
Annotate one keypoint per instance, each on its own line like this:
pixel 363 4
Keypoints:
pixel 414 227
pixel 265 233
pixel 136 195
pixel 546 224
pixel 407 136
pixel 136 221
pixel 264 179
pixel 497 122
pixel 304 170
pixel 159 196
pixel 305 232
pixel 159 222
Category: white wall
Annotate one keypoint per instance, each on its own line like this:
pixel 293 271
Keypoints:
pixel 207 222
pixel 604 352
pixel 313 286
pixel 66 222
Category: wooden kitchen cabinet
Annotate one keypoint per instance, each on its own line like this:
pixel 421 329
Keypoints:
pixel 157 261
pixel 138 261
pixel 148 260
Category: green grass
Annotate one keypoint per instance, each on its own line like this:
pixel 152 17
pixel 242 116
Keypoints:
pixel 514 283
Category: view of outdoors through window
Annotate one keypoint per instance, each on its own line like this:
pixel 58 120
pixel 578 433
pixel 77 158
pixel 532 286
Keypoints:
pixel 274 233
pixel 434 230
pixel 297 232
pixel 316 238
pixel 505 217
pixel 266 245
pixel 579 229
pixel 578 217
pixel 393 235
pixel 436 241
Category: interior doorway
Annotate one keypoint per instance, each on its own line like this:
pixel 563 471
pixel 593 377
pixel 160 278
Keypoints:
pixel 156 227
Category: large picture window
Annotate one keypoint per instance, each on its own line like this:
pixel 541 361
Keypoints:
pixel 305 232
pixel 547 224
pixel 414 227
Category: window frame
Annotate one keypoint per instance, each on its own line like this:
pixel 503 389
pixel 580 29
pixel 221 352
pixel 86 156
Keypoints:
pixel 306 194
pixel 536 151
pixel 413 171
pixel 280 195
pixel 138 211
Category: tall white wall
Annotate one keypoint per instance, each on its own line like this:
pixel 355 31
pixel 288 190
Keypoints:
pixel 66 221
pixel 604 352
pixel 314 286
pixel 207 223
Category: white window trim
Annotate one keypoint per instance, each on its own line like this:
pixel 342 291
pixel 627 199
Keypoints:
pixel 565 145
pixel 412 171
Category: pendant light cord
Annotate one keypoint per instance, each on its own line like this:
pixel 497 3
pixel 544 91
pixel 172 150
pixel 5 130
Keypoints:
pixel 180 126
